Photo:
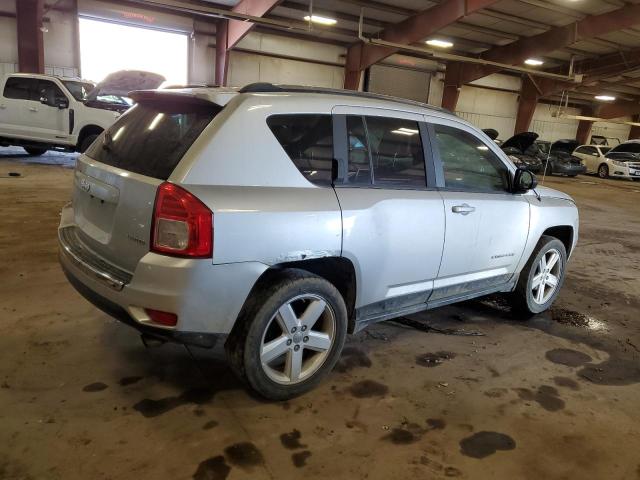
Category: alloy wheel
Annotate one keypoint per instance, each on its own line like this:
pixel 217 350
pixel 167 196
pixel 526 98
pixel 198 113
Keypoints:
pixel 546 277
pixel 603 171
pixel 297 339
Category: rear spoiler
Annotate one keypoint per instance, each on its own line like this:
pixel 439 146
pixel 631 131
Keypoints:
pixel 203 97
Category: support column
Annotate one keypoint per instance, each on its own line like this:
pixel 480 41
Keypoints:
pixel 222 52
pixel 452 86
pixel 634 133
pixel 584 126
pixel 526 106
pixel 29 15
pixel 352 71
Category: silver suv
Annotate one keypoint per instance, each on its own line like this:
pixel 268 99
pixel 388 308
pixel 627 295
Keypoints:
pixel 280 218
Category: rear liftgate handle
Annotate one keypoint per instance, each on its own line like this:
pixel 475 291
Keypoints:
pixel 463 209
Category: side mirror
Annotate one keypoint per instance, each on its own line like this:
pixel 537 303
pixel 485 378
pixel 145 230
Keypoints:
pixel 62 103
pixel 523 181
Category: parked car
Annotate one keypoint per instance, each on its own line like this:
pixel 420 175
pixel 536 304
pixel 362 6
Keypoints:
pixel 622 161
pixel 556 157
pixel 279 218
pixel 43 112
pixel 595 160
pixel 516 147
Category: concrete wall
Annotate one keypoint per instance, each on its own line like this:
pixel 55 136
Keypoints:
pixel 270 58
pixel 400 82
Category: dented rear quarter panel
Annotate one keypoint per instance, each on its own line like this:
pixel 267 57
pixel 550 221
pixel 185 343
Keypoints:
pixel 272 225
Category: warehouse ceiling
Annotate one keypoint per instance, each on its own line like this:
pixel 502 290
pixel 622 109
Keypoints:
pixel 611 40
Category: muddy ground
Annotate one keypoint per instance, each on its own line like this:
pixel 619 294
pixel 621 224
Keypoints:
pixel 556 397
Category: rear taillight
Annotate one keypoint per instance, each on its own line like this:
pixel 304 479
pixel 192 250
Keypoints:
pixel 182 225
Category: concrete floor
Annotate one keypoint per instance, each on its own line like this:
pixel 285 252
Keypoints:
pixel 552 398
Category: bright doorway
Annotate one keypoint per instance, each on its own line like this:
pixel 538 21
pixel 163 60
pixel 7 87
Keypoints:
pixel 107 47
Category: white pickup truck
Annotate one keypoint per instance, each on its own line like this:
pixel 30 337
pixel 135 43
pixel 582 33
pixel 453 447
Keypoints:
pixel 44 112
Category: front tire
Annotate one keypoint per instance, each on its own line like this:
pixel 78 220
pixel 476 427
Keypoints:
pixel 86 142
pixel 603 171
pixel 541 278
pixel 35 151
pixel 289 335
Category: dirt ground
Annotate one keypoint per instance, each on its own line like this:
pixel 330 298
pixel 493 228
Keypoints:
pixel 555 397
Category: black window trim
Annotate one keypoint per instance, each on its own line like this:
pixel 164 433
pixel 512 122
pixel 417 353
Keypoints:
pixel 440 165
pixel 341 155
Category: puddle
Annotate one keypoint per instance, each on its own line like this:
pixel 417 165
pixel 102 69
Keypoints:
pixel 434 359
pixel 482 444
pixel 577 319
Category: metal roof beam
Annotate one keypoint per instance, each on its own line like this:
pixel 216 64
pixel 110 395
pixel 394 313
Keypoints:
pixel 256 8
pixel 411 30
pixel 556 38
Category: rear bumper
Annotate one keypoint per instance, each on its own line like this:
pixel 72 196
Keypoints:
pixel 206 298
pixel 206 340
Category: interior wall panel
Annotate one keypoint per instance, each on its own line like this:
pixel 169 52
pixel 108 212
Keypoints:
pixel 399 82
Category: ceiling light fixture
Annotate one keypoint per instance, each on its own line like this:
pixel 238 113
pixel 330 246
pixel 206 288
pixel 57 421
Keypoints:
pixel 534 62
pixel 321 20
pixel 605 98
pixel 439 43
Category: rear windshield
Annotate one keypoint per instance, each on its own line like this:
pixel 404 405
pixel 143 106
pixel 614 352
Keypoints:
pixel 150 139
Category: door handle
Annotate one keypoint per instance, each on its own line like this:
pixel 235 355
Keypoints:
pixel 33 109
pixel 3 107
pixel 463 209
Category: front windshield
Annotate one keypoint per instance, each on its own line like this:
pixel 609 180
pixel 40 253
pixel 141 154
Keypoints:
pixel 79 90
pixel 116 99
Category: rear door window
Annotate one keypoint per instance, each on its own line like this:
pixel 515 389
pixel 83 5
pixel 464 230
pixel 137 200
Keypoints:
pixel 359 169
pixel 21 88
pixel 308 141
pixel 385 152
pixel 152 137
pixel 396 153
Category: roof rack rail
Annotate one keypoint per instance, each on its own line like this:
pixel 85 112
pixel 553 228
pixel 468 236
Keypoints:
pixel 266 87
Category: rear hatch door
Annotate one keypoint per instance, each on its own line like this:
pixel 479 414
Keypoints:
pixel 116 180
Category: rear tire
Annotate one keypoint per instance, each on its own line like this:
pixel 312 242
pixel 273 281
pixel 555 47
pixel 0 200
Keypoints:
pixel 541 278
pixel 289 335
pixel 35 151
pixel 603 171
pixel 87 141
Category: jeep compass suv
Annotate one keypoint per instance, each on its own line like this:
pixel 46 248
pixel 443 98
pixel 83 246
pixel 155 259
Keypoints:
pixel 280 218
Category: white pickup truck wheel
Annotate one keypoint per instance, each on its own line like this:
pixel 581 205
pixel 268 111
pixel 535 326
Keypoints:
pixel 87 141
pixel 35 151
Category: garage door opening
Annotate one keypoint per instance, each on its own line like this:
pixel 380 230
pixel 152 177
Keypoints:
pixel 107 47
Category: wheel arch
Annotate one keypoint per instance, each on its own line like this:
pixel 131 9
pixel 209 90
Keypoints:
pixel 339 271
pixel 86 130
pixel 564 233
